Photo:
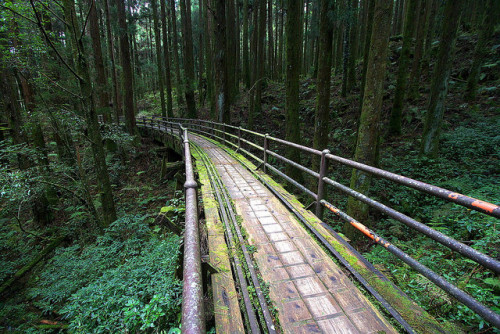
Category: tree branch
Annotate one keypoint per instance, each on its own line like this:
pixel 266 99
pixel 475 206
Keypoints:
pixel 39 23
pixel 19 14
pixel 53 13
pixel 61 87
pixel 86 20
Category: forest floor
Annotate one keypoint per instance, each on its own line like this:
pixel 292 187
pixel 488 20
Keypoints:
pixel 110 279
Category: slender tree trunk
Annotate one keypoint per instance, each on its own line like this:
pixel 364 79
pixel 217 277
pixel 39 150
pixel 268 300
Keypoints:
pixel 209 37
pixel 481 51
pixel 346 52
pixel 159 62
pixel 351 71
pixel 306 36
pixel 429 38
pixel 366 52
pixel 293 37
pixel 281 37
pixel 103 105
pixel 369 124
pixel 116 90
pixel 231 51
pixel 127 75
pixel 187 37
pixel 246 70
pixel 404 62
pixel 106 194
pixel 423 22
pixel 270 42
pixel 201 60
pixel 321 124
pixel 175 47
pixel 439 86
pixel 221 78
pixel 166 58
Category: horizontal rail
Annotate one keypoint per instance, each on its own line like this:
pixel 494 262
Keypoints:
pixel 469 202
pixel 451 243
pixel 462 296
pixel 466 201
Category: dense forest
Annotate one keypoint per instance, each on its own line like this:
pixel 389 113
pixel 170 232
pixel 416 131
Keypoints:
pixel 410 86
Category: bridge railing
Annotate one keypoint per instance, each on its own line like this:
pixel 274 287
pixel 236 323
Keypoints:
pixel 193 321
pixel 254 143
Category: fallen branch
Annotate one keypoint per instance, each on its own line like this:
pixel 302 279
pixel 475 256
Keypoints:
pixel 56 242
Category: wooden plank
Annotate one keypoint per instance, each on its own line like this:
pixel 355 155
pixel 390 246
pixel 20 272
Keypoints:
pixel 225 298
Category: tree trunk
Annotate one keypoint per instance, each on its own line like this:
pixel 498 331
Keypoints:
pixel 221 79
pixel 101 80
pixel 423 22
pixel 246 70
pixel 369 124
pixel 429 38
pixel 351 71
pixel 187 37
pixel 159 62
pixel 366 52
pixel 201 61
pixel 481 51
pixel 111 50
pixel 321 124
pixel 127 75
pixel 231 52
pixel 166 58
pixel 270 42
pixel 293 35
pixel 439 86
pixel 104 185
pixel 209 37
pixel 175 47
pixel 404 62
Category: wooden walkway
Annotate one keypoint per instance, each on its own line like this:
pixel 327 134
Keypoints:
pixel 310 291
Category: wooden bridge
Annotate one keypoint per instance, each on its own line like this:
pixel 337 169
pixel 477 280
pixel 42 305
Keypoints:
pixel 273 266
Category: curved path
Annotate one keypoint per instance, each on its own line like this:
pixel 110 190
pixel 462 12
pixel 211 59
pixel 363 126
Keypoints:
pixel 310 291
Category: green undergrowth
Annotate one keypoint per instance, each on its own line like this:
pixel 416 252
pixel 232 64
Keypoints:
pixel 123 282
pixel 469 163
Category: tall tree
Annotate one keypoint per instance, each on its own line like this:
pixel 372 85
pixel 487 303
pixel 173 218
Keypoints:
pixel 159 62
pixel 175 49
pixel 404 62
pixel 101 79
pixel 166 57
pixel 321 126
pixel 187 38
pixel 353 46
pixel 127 75
pixel 423 23
pixel 246 69
pixel 293 32
pixel 209 37
pixel 481 51
pixel 369 123
pixel 221 78
pixel 439 85
pixel 83 75
pixel 114 77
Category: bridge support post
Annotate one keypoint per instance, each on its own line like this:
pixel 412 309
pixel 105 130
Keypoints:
pixel 239 138
pixel 321 183
pixel 266 147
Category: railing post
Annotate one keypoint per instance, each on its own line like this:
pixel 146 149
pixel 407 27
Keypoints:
pixel 239 138
pixel 321 184
pixel 266 146
pixel 212 128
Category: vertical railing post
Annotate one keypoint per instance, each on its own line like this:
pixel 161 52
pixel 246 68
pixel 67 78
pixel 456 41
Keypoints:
pixel 266 147
pixel 321 184
pixel 212 128
pixel 239 138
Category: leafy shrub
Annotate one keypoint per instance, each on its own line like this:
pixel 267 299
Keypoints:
pixel 124 282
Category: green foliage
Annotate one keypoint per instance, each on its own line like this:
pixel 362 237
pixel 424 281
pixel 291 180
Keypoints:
pixel 125 281
pixel 468 156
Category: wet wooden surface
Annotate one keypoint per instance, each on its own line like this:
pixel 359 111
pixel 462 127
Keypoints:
pixel 310 291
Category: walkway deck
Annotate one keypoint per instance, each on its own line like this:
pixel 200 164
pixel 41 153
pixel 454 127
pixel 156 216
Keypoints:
pixel 311 292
